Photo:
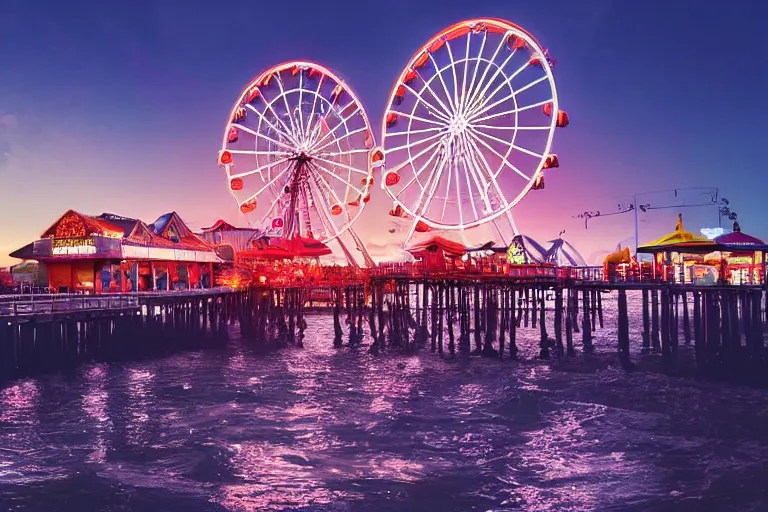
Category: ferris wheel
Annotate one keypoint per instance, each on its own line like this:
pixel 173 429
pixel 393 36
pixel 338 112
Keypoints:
pixel 469 124
pixel 297 151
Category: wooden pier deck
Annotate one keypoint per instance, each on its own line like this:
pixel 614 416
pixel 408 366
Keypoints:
pixel 403 308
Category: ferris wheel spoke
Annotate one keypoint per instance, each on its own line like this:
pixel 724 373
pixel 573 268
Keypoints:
pixel 507 128
pixel 288 110
pixel 504 159
pixel 439 71
pixel 315 95
pixel 415 118
pixel 272 208
pixel 342 165
pixel 531 84
pixel 259 170
pixel 474 121
pixel 473 92
pixel 285 132
pixel 467 93
pixel 417 142
pixel 320 180
pixel 465 72
pixel 321 206
pixel 439 75
pixel 447 193
pixel 446 108
pixel 263 118
pixel 481 183
pixel 271 182
pixel 477 178
pixel 414 132
pixel 316 139
pixel 499 70
pixel 492 177
pixel 430 107
pixel 314 149
pixel 418 173
pixel 344 153
pixel 257 153
pixel 332 191
pixel 339 178
pixel 301 104
pixel 485 109
pixel 459 198
pixel 432 180
pixel 414 157
pixel 507 82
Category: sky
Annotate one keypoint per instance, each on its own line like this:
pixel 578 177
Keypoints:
pixel 120 106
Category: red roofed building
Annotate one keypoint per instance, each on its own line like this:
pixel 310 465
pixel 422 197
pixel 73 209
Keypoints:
pixel 110 253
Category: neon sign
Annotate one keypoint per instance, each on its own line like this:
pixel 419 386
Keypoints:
pixel 73 246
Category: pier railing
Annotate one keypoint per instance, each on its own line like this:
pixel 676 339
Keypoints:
pixel 67 303
pixel 47 304
pixel 418 270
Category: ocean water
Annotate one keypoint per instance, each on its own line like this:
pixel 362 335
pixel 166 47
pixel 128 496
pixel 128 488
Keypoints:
pixel 324 429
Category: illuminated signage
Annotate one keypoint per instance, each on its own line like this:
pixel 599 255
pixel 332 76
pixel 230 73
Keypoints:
pixel 73 246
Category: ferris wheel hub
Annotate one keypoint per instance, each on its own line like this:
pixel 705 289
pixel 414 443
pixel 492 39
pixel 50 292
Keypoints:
pixel 302 158
pixel 458 124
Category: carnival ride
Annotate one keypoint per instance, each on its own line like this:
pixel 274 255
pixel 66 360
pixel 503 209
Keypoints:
pixel 468 127
pixel 467 132
pixel 297 151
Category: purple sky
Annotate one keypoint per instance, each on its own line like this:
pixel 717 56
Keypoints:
pixel 121 107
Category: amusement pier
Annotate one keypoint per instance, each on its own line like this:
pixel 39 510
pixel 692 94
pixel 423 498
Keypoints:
pixel 463 140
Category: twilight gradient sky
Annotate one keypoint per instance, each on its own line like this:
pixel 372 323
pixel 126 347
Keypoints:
pixel 120 106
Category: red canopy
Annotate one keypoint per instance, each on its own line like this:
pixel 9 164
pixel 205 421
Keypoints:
pixel 438 242
pixel 738 238
pixel 282 248
pixel 740 241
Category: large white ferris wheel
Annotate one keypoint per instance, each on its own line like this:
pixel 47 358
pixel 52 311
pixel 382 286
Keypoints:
pixel 468 127
pixel 297 151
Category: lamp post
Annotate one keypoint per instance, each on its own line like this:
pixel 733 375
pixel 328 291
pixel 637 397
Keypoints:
pixel 724 210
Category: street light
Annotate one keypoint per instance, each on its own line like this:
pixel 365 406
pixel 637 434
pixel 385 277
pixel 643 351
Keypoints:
pixel 725 211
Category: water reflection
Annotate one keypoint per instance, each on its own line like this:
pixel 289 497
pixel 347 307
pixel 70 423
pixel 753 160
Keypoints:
pixel 94 403
pixel 139 400
pixel 19 425
pixel 327 429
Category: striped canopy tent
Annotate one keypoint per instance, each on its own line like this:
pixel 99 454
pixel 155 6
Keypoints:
pixel 563 254
pixel 737 241
pixel 524 250
pixel 681 242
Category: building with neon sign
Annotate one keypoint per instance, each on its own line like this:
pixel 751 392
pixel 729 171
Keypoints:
pixel 110 253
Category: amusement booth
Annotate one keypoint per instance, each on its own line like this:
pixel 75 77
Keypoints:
pixel 679 257
pixel 741 257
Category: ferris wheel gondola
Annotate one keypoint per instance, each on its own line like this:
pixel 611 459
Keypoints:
pixel 469 124
pixel 297 152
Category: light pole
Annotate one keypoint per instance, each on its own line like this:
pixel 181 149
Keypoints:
pixel 633 205
pixel 725 211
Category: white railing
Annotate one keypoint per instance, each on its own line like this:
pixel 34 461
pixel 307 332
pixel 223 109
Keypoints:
pixel 66 304
pixel 46 304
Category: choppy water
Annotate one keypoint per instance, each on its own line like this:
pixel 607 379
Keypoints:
pixel 339 430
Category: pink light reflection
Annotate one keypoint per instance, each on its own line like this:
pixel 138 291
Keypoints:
pixel 568 462
pixel 275 478
pixel 95 406
pixel 140 398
